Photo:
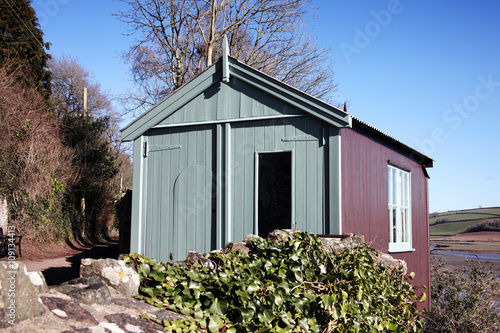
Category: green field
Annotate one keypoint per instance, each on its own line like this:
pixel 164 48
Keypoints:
pixel 457 222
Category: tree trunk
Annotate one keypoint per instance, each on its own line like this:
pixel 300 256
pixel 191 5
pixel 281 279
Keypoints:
pixel 211 40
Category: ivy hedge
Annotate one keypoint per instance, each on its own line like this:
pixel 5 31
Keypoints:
pixel 288 285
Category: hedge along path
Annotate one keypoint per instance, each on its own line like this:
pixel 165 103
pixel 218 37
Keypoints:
pixel 286 285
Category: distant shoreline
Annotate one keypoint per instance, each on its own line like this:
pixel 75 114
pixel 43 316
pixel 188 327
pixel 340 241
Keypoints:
pixel 453 263
pixel 482 242
pixel 474 242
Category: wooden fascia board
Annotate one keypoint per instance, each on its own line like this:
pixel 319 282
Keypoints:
pixel 172 103
pixel 290 95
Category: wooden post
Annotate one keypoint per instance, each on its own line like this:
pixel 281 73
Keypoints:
pixel 84 102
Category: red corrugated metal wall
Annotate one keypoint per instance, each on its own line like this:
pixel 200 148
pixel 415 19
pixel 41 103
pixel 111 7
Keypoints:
pixel 365 198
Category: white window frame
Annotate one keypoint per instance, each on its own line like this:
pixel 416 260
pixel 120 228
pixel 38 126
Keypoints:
pixel 399 209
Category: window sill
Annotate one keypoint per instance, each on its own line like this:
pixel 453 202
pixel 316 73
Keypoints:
pixel 400 248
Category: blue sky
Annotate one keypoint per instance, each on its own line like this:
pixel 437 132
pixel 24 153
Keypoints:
pixel 425 72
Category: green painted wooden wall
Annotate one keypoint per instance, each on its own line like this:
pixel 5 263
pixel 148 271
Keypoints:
pixel 196 172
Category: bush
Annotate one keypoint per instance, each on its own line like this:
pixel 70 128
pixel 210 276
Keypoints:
pixel 289 285
pixel 486 225
pixel 35 167
pixel 463 300
pixel 442 220
pixel 433 215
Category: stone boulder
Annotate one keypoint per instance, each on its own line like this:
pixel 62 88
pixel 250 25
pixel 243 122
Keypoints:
pixel 115 273
pixel 87 290
pixel 281 234
pixel 339 243
pixel 69 310
pixel 388 260
pixel 198 258
pixel 243 247
pixel 148 309
pixel 123 322
pixel 335 244
pixel 19 298
pixel 250 237
pixel 38 281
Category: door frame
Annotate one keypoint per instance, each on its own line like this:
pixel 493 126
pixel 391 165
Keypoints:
pixel 256 186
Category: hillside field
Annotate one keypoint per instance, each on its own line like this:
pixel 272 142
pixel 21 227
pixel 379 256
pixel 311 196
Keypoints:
pixel 449 230
pixel 457 222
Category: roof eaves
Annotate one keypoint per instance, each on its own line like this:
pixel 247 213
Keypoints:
pixel 149 118
pixel 296 97
pixel 261 80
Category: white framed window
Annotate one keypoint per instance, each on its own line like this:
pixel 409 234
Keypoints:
pixel 399 210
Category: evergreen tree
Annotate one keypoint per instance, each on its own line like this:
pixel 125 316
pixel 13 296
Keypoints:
pixel 22 45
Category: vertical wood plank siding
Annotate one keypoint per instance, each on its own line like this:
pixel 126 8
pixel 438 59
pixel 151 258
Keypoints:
pixel 243 101
pixel 181 180
pixel 267 136
pixel 365 198
pixel 180 185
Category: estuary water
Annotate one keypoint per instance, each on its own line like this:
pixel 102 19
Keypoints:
pixel 480 256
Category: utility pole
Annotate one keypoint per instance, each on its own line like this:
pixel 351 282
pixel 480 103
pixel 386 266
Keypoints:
pixel 84 115
pixel 121 184
pixel 84 102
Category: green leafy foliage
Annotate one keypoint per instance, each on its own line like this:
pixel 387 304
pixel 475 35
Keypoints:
pixel 289 285
pixel 95 162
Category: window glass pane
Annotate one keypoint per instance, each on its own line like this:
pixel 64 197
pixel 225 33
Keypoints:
pixel 403 197
pixel 389 172
pixel 406 233
pixel 402 226
pixel 390 226
pixel 394 225
pixel 393 178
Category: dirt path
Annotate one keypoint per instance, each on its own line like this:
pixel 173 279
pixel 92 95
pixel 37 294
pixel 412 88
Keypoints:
pixel 65 268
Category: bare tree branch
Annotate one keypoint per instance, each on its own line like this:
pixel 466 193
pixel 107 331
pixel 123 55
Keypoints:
pixel 177 39
pixel 32 156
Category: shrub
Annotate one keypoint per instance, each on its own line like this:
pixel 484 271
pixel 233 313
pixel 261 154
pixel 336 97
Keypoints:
pixel 442 220
pixel 463 300
pixel 433 215
pixel 289 285
pixel 486 225
pixel 35 167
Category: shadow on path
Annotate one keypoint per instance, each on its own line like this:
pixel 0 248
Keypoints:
pixel 58 275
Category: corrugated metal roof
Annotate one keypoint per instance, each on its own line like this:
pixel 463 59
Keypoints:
pixel 426 160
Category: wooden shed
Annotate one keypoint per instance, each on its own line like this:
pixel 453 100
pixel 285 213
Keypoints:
pixel 236 152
